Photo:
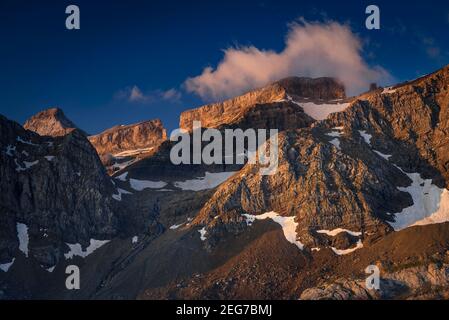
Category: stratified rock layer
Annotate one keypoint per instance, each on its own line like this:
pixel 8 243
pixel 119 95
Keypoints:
pixel 274 96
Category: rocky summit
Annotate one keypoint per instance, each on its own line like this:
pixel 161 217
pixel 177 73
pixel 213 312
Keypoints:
pixel 51 122
pixel 269 107
pixel 53 191
pixel 361 182
pixel 122 145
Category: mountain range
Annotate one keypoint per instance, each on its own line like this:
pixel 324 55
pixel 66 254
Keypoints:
pixel 361 181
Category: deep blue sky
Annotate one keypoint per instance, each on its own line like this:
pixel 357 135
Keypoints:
pixel 156 45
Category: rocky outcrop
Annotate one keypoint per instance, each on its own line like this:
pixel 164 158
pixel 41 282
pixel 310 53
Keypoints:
pixel 51 122
pixel 414 114
pixel 57 188
pixel 323 186
pixel 141 135
pixel 274 98
pixel 121 145
pixel 421 282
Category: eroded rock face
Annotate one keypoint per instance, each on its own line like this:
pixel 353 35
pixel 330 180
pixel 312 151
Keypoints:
pixel 414 115
pixel 51 122
pixel 57 187
pixel 322 186
pixel 345 172
pixel 272 97
pixel 409 283
pixel 122 145
pixel 135 136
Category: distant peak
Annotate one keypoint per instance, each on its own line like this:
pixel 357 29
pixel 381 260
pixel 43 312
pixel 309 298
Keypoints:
pixel 50 122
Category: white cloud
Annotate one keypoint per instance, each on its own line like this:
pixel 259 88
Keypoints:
pixel 431 48
pixel 171 94
pixel 134 94
pixel 311 50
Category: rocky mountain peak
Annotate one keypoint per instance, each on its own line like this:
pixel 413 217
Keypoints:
pixel 55 188
pixel 324 88
pixel 50 122
pixel 274 101
pixel 126 143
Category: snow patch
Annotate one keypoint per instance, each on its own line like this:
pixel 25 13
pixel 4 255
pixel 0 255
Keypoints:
pixel 5 266
pixel 140 185
pixel 348 251
pixel 336 143
pixel 24 239
pixel 441 215
pixel 333 233
pixel 430 204
pixel 135 239
pixel 385 156
pixel 118 196
pixel 334 134
pixel 122 165
pixel 122 177
pixel 49 158
pixel 134 152
pixel 51 269
pixel 367 137
pixel 203 234
pixel 77 250
pixel 389 90
pixel 209 181
pixel 10 150
pixel 320 111
pixel 27 164
pixel 288 225
pixel 176 226
pixel 19 139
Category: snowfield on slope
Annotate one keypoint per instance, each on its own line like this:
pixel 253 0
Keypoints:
pixel 322 111
pixel 319 111
pixel 203 234
pixel 77 250
pixel 335 232
pixel 134 152
pixel 118 196
pixel 5 266
pixel 140 185
pixel 209 181
pixel 348 251
pixel 288 225
pixel 430 204
pixel 24 239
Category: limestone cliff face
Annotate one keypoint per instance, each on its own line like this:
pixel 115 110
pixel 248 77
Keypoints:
pixel 117 139
pixel 57 187
pixel 271 97
pixel 344 171
pixel 120 146
pixel 51 122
